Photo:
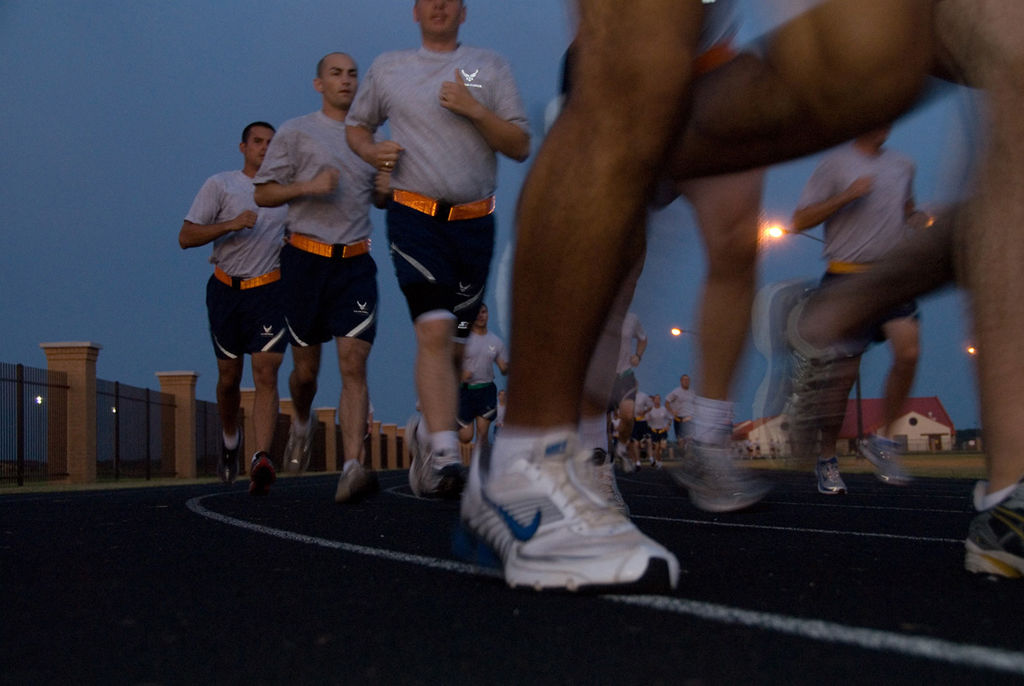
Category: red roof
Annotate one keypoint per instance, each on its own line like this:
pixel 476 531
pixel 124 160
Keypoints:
pixel 871 414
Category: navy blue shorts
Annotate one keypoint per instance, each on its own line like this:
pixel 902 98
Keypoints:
pixel 659 436
pixel 441 265
pixel 641 430
pixel 874 333
pixel 624 388
pixel 328 297
pixel 249 321
pixel 477 402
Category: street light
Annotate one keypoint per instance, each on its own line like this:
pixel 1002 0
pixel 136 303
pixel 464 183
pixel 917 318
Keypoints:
pixel 772 230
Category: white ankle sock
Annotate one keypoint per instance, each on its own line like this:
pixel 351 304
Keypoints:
pixel 986 501
pixel 513 441
pixel 230 442
pixel 593 432
pixel 444 442
pixel 712 421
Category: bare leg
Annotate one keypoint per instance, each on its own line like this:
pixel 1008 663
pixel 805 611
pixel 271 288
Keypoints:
pixel 903 335
pixel 581 228
pixel 303 380
pixel 600 379
pixel 354 402
pixel 843 309
pixel 727 210
pixel 229 377
pixel 982 39
pixel 265 400
pixel 436 379
pixel 844 67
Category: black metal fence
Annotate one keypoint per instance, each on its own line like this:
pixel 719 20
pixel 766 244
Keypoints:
pixel 33 424
pixel 134 432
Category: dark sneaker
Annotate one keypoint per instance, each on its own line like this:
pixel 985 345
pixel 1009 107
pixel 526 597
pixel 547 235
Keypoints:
pixel 885 454
pixel 716 481
pixel 995 541
pixel 299 448
pixel 227 466
pixel 354 483
pixel 830 481
pixel 261 474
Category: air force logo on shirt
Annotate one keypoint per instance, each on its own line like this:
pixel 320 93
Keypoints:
pixel 468 78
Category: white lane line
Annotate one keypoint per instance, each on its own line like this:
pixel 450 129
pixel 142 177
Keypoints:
pixel 826 505
pixel 195 504
pixel 960 654
pixel 802 530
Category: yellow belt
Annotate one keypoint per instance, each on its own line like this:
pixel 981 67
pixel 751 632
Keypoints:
pixel 837 267
pixel 442 210
pixel 327 249
pixel 245 284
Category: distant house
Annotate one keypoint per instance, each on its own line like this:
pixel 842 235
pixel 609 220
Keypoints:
pixel 924 426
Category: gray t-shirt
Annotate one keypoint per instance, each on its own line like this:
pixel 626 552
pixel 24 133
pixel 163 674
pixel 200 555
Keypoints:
pixel 869 227
pixel 480 355
pixel 680 402
pixel 301 149
pixel 249 252
pixel 631 329
pixel 444 155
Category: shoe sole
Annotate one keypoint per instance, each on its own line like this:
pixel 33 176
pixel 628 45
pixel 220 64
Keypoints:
pixel 726 504
pixel 368 487
pixel 452 483
pixel 994 562
pixel 655 579
pixel 467 546
pixel 884 478
pixel 262 478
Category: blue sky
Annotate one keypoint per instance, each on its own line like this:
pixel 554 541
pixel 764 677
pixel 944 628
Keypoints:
pixel 115 111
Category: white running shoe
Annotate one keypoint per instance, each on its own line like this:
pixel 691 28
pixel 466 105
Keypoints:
pixel 599 465
pixel 440 475
pixel 299 448
pixel 552 529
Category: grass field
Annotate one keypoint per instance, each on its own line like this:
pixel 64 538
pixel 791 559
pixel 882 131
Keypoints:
pixel 938 465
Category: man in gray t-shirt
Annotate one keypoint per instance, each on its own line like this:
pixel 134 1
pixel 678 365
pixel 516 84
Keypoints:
pixel 330 279
pixel 863 193
pixel 243 299
pixel 451 108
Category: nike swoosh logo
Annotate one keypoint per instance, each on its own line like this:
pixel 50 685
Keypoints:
pixel 519 532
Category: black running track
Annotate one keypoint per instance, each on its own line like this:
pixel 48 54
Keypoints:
pixel 203 584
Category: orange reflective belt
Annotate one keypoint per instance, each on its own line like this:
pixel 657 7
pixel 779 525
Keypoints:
pixel 245 284
pixel 837 267
pixel 310 245
pixel 713 58
pixel 442 210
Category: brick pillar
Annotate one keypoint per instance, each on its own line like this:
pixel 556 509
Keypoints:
pixel 285 406
pixel 375 456
pixel 78 362
pixel 326 415
pixel 182 385
pixel 390 432
pixel 406 460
